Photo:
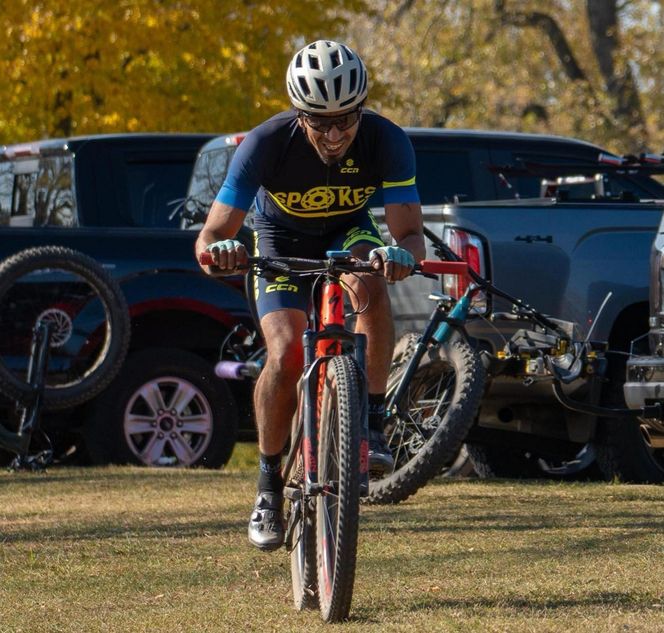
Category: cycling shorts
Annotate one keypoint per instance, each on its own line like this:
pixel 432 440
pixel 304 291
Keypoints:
pixel 273 240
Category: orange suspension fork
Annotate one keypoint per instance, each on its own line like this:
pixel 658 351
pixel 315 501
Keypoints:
pixel 331 314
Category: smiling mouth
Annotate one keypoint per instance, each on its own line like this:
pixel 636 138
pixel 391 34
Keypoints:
pixel 332 147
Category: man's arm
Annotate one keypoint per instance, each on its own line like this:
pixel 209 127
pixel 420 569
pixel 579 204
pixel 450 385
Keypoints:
pixel 404 221
pixel 223 223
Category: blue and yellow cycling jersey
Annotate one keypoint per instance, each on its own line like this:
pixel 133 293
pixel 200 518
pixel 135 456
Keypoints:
pixel 293 188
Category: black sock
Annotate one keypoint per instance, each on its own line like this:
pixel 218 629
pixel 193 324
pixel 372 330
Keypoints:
pixel 269 478
pixel 376 411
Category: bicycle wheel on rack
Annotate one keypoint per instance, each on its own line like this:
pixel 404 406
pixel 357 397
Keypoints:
pixel 88 317
pixel 433 417
pixel 337 507
pixel 300 530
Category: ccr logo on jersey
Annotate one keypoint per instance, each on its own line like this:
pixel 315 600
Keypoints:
pixel 349 167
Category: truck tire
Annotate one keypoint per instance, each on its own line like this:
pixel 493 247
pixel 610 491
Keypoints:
pixel 167 408
pixel 624 454
pixel 497 460
pixel 621 449
pixel 492 461
pixel 89 324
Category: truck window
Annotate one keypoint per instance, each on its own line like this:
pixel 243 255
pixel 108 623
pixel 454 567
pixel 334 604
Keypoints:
pixel 442 177
pixel 153 188
pixel 37 192
pixel 209 174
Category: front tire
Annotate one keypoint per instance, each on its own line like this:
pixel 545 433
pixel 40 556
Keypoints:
pixel 166 409
pixel 337 516
pixel 623 448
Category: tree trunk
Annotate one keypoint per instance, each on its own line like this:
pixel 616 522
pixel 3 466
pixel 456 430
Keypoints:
pixel 619 82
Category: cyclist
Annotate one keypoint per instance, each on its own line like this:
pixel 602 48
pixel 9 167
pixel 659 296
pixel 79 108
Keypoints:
pixel 311 171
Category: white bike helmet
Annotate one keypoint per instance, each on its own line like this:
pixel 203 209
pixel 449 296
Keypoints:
pixel 326 77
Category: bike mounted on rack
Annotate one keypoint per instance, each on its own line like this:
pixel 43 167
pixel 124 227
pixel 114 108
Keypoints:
pixel 560 180
pixel 548 350
pixel 66 328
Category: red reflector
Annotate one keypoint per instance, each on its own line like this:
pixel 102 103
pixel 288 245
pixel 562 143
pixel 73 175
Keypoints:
pixel 444 268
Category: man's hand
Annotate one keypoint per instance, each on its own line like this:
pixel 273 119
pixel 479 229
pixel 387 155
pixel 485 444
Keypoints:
pixel 228 255
pixel 397 263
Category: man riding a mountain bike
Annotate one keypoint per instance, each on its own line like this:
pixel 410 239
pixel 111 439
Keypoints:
pixel 312 171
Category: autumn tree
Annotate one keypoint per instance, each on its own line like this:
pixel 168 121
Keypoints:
pixel 88 66
pixel 587 68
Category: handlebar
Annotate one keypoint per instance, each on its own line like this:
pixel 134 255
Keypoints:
pixel 343 263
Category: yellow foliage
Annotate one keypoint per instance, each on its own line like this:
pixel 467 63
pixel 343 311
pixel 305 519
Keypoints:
pixel 94 66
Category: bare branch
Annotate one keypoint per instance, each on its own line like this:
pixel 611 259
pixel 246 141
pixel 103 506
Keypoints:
pixel 551 29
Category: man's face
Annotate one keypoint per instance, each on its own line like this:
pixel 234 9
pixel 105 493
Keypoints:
pixel 331 134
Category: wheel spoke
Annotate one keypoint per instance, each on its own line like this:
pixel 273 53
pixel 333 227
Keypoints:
pixel 153 397
pixel 153 450
pixel 183 395
pixel 199 424
pixel 182 450
pixel 138 424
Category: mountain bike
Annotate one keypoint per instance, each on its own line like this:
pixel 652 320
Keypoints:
pixel 326 467
pixel 65 333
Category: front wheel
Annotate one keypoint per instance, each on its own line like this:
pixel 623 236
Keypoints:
pixel 431 421
pixel 338 505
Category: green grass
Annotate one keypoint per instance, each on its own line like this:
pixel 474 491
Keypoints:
pixel 131 549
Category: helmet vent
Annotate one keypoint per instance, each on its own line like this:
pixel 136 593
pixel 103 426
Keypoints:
pixel 304 86
pixel 353 80
pixel 335 58
pixel 323 88
pixel 313 62
pixel 337 87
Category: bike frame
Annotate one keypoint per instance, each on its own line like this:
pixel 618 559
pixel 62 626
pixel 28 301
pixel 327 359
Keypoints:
pixel 439 328
pixel 19 441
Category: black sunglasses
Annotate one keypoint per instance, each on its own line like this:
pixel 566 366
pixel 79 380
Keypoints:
pixel 324 124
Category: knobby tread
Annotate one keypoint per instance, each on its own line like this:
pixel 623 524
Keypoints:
pixel 450 434
pixel 343 387
pixel 116 342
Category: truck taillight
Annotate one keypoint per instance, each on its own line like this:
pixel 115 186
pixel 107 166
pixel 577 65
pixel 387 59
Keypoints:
pixel 469 248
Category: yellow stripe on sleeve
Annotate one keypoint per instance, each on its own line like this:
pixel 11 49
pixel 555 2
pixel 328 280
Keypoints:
pixel 401 183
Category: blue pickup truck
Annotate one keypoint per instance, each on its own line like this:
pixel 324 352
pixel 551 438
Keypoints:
pixel 116 198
